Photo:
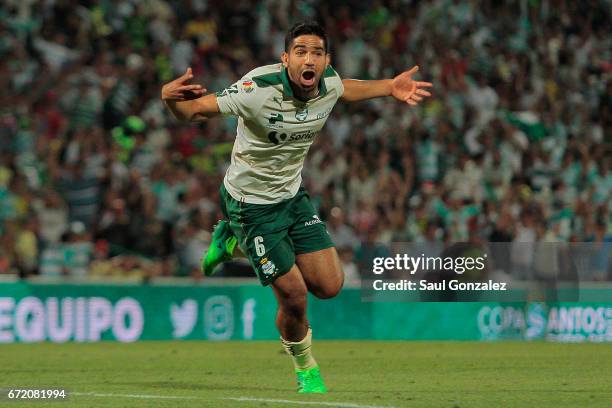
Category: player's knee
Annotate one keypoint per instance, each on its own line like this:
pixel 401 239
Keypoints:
pixel 331 288
pixel 295 302
pixel 328 292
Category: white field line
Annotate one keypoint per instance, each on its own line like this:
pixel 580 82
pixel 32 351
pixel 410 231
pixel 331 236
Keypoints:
pixel 321 404
pixel 239 399
pixel 143 396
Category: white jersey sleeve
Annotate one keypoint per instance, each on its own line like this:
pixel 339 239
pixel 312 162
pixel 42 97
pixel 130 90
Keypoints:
pixel 333 81
pixel 243 99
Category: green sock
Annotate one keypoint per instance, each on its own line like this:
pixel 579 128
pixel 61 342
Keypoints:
pixel 301 352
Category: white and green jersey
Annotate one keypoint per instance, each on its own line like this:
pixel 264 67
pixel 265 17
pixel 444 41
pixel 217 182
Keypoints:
pixel 275 131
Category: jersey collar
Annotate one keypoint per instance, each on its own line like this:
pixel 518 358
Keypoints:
pixel 287 85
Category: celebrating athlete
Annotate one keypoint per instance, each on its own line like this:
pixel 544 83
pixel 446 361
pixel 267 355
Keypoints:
pixel 281 108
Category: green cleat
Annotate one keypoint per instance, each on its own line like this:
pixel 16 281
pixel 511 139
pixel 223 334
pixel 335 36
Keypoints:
pixel 310 381
pixel 221 247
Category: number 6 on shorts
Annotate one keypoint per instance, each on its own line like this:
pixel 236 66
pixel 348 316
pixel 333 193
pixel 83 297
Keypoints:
pixel 260 249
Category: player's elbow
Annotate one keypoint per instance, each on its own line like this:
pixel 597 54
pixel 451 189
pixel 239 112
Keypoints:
pixel 204 108
pixel 180 117
pixel 179 111
pixel 197 117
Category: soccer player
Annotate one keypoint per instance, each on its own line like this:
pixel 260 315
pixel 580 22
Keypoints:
pixel 280 109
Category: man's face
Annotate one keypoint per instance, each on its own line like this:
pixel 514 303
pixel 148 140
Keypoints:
pixel 306 61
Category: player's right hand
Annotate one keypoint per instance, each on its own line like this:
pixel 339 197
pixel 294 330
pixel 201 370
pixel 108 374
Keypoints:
pixel 181 90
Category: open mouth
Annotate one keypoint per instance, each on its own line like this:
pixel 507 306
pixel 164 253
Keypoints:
pixel 307 79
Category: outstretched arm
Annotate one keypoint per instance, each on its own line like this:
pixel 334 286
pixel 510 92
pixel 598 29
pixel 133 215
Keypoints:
pixel 402 88
pixel 187 101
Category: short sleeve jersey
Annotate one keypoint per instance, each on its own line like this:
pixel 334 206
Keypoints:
pixel 275 131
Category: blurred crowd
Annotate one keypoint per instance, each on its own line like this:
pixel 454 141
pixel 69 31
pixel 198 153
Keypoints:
pixel 97 179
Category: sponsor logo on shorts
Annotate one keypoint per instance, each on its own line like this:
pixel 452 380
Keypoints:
pixel 315 220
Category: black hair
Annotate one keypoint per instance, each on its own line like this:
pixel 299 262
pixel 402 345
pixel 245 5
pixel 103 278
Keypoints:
pixel 306 28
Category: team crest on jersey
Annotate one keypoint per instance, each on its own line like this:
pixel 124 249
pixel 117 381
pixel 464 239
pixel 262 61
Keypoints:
pixel 267 267
pixel 301 114
pixel 248 86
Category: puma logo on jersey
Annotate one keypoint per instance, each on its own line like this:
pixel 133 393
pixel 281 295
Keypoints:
pixel 278 100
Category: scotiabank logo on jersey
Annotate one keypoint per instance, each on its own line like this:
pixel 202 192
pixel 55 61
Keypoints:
pixel 278 137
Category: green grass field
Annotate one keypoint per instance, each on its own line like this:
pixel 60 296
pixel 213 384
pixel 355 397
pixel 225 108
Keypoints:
pixel 359 374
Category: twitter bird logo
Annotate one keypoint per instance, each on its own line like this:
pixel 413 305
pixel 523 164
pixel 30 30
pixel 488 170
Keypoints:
pixel 184 317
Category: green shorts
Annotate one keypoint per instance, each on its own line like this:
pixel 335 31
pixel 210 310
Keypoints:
pixel 271 235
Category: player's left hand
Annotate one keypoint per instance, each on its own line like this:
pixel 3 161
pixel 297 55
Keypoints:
pixel 405 89
pixel 181 90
